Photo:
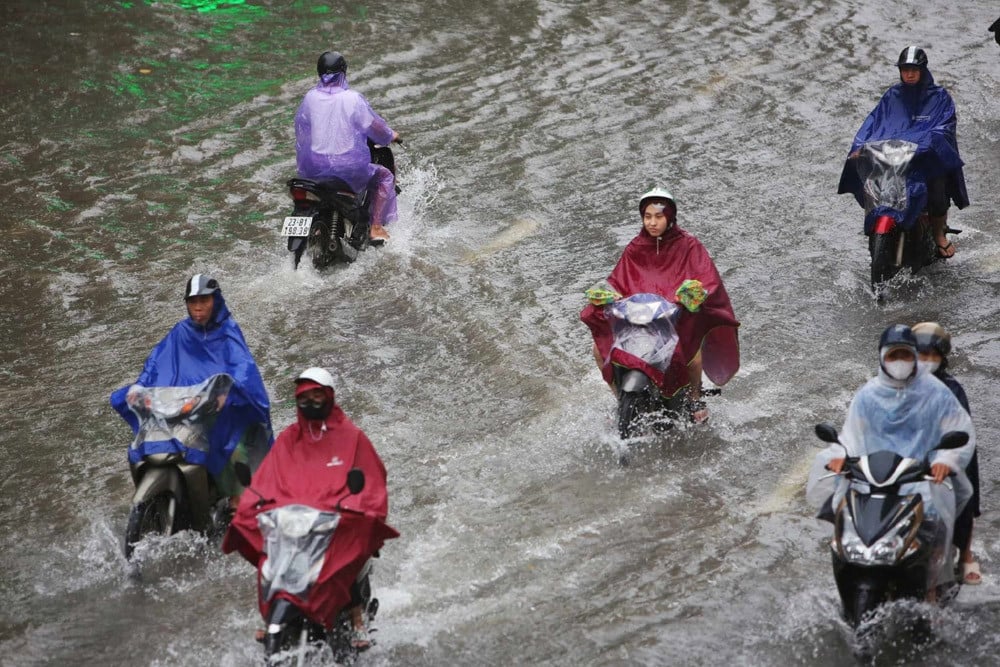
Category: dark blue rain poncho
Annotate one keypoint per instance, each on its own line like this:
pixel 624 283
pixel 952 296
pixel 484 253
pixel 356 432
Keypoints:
pixel 188 355
pixel 923 114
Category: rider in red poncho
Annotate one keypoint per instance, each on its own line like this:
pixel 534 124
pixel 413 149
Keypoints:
pixel 663 259
pixel 308 465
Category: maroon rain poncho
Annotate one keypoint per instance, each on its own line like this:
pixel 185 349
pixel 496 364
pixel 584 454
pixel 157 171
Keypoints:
pixel 309 466
pixel 659 266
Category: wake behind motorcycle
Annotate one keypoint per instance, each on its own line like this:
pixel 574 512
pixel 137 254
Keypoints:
pixel 172 493
pixel 329 221
pixel 888 543
pixel 299 546
pixel 896 224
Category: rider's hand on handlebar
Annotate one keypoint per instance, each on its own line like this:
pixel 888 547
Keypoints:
pixel 395 138
pixel 855 155
pixel 835 465
pixel 939 472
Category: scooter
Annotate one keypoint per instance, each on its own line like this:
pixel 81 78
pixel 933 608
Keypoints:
pixel 887 544
pixel 329 221
pixel 172 493
pixel 898 230
pixel 299 543
pixel 643 364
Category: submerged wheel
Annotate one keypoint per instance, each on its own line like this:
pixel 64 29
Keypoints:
pixel 628 413
pixel 319 248
pixel 151 516
pixel 866 600
pixel 883 252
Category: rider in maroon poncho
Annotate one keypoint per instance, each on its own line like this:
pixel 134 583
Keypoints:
pixel 308 465
pixel 659 260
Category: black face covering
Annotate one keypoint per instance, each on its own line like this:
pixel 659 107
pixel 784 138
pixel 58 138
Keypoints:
pixel 315 410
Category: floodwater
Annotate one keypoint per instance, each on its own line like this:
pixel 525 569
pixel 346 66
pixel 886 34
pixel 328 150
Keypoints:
pixel 145 141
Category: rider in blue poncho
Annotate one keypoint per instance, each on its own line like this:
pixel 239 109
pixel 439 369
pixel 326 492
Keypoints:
pixel 207 343
pixel 919 111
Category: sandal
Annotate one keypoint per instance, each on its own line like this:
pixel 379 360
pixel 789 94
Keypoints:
pixel 697 411
pixel 971 576
pixel 360 639
pixel 942 250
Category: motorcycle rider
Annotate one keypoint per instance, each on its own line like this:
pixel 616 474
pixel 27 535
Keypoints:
pixel 206 343
pixel 933 347
pixel 332 127
pixel 907 412
pixel 666 260
pixel 308 464
pixel 922 112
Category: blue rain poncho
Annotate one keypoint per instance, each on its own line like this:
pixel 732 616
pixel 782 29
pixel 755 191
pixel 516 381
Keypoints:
pixel 188 355
pixel 923 114
pixel 909 419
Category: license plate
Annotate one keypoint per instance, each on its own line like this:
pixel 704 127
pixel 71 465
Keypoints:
pixel 296 225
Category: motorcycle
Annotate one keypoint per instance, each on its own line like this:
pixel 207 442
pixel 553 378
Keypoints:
pixel 329 221
pixel 642 358
pixel 898 230
pixel 887 543
pixel 305 550
pixel 171 492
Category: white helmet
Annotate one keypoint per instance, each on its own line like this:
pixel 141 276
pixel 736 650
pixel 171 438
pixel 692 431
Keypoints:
pixel 657 193
pixel 315 374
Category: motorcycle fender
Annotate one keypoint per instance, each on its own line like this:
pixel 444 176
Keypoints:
pixel 155 481
pixel 884 224
pixel 199 498
pixel 634 381
pixel 296 242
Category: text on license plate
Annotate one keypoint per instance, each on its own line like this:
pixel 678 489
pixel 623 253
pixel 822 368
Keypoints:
pixel 296 225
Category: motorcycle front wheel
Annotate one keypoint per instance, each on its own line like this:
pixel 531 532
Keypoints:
pixel 150 516
pixel 883 252
pixel 629 404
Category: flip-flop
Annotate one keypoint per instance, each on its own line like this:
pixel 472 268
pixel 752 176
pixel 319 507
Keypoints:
pixel 360 639
pixel 971 576
pixel 943 250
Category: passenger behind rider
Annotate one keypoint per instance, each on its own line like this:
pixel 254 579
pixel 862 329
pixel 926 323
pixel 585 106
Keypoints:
pixel 933 348
pixel 667 260
pixel 918 110
pixel 332 129
pixel 906 412
pixel 208 342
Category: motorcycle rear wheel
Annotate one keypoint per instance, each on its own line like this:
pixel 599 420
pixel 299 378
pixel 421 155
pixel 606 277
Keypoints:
pixel 319 248
pixel 154 515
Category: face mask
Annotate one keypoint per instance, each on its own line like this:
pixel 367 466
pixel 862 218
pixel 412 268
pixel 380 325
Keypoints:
pixel 930 366
pixel 315 410
pixel 899 370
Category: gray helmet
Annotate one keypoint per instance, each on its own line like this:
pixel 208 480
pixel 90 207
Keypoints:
pixel 199 284
pixel 654 194
pixel 932 336
pixel 331 62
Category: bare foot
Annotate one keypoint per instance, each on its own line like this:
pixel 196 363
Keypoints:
pixel 378 233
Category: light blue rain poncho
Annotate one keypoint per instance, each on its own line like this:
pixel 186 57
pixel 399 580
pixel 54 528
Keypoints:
pixel 907 417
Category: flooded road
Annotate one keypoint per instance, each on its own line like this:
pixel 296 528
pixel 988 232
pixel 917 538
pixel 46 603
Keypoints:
pixel 146 141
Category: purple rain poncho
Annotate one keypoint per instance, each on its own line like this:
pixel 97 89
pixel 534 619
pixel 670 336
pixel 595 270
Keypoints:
pixel 332 127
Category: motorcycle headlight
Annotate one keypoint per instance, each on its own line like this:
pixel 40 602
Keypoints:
pixel 887 550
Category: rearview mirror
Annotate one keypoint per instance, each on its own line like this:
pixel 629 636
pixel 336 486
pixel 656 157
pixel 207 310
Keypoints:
pixel 355 481
pixel 242 473
pixel 953 440
pixel 826 432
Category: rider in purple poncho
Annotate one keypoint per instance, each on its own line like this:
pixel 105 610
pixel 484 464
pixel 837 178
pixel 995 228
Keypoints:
pixel 922 112
pixel 332 129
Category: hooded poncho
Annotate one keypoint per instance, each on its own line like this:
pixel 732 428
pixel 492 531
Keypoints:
pixel 659 266
pixel 332 127
pixel 188 355
pixel 308 465
pixel 923 114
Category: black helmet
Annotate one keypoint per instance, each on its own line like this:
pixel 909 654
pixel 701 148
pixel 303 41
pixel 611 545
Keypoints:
pixel 932 336
pixel 200 284
pixel 331 62
pixel 912 56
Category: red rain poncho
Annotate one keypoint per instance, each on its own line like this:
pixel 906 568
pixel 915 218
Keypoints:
pixel 659 266
pixel 301 470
